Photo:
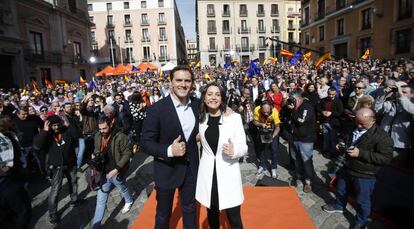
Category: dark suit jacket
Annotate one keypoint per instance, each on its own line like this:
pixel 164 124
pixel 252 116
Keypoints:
pixel 161 127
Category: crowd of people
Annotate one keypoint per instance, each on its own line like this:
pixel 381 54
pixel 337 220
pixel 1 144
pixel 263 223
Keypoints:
pixel 358 114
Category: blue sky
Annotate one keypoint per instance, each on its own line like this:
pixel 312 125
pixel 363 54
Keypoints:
pixel 187 14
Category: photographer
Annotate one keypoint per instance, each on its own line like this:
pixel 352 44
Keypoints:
pixel 395 106
pixel 266 119
pixel 367 148
pixel 59 142
pixel 304 135
pixel 111 144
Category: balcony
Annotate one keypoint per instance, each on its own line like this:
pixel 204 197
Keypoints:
pixel 110 25
pixel 291 40
pixel 127 60
pixel 129 40
pixel 163 58
pixel 275 29
pixel 162 22
pixel 211 13
pixel 108 40
pixel 78 59
pixel 43 57
pixel 226 49
pixel 146 59
pixel 212 48
pixel 144 23
pixel 274 14
pixel 262 47
pixel 225 13
pixel 93 25
pixel 226 31
pixel 261 30
pixel 127 24
pixel 260 13
pixel 244 48
pixel 244 13
pixel 145 39
pixel 293 14
pixel 162 37
pixel 94 42
pixel 244 30
pixel 212 30
pixel 291 27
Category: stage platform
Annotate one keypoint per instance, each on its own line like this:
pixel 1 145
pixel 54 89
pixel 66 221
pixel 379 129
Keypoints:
pixel 263 207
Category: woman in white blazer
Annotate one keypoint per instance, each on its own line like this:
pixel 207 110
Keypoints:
pixel 219 183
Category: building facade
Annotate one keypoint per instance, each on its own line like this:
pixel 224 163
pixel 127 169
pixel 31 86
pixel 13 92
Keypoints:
pixel 192 51
pixel 43 39
pixel 238 29
pixel 348 27
pixel 135 31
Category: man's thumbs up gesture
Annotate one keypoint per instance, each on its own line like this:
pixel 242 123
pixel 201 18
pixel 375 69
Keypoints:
pixel 178 147
pixel 228 148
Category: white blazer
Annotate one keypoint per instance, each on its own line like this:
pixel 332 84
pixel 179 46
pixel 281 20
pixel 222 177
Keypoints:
pixel 229 182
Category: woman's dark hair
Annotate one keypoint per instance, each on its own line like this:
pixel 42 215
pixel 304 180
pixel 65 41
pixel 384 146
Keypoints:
pixel 203 108
pixel 135 98
pixel 311 84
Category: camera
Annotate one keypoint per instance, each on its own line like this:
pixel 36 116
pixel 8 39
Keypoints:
pixel 266 135
pixel 98 160
pixel 394 89
pixel 291 101
pixel 342 147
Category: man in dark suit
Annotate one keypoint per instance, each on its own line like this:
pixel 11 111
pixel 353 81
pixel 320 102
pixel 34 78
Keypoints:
pixel 169 134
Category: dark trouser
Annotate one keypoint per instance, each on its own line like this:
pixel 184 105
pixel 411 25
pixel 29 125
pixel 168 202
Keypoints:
pixel 165 198
pixel 213 213
pixel 14 198
pixel 56 184
pixel 363 188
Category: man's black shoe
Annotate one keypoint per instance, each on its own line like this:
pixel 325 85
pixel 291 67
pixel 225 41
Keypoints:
pixel 77 202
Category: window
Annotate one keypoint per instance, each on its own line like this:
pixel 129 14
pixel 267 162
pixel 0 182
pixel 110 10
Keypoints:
pixel 340 4
pixel 161 17
pixel 227 43
pixel 91 19
pixel 405 9
pixel 210 10
pixel 260 25
pixel 128 36
pixel 129 54
pixel 274 10
pixel 110 20
pixel 290 36
pixel 163 52
pixel 147 53
pixel 290 24
pixel 245 43
pixel 340 27
pixel 127 19
pixel 364 44
pixel 145 35
pixel 275 25
pixel 111 34
pixel 163 33
pixel 143 4
pixel 243 25
pixel 226 26
pixel 306 16
pixel 93 37
pixel 212 43
pixel 77 51
pixel 260 10
pixel 36 43
pixel 160 3
pixel 243 10
pixel 321 9
pixel 108 6
pixel 72 6
pixel 211 26
pixel 126 5
pixel 321 33
pixel 366 19
pixel 403 40
pixel 144 19
pixel 226 10
pixel 90 7
pixel 262 42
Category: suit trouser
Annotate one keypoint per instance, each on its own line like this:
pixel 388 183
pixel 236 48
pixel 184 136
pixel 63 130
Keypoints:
pixel 165 197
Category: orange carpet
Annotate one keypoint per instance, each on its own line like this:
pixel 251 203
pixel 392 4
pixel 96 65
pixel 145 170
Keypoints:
pixel 263 207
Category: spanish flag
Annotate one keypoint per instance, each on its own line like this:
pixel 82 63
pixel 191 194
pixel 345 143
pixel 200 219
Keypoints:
pixel 48 84
pixel 81 80
pixel 198 65
pixel 126 78
pixel 307 56
pixel 233 61
pixel 270 60
pixel 207 76
pixel 326 56
pixel 285 52
pixel 66 86
pixel 366 55
pixel 35 90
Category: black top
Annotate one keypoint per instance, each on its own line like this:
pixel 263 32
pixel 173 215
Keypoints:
pixel 212 132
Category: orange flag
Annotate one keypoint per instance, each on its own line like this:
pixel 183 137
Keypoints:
pixel 366 55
